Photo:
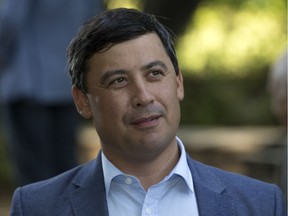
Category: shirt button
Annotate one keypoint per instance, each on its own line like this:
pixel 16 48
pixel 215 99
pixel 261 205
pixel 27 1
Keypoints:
pixel 128 181
pixel 148 211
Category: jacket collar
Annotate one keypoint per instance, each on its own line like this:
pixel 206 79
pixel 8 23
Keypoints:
pixel 89 197
pixel 211 195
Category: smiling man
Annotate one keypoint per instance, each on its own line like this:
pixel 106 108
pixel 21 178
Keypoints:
pixel 133 97
pixel 126 78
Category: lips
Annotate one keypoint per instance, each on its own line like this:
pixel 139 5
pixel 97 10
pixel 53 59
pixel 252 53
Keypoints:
pixel 146 119
pixel 144 122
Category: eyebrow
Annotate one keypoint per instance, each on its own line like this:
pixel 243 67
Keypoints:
pixel 148 66
pixel 155 63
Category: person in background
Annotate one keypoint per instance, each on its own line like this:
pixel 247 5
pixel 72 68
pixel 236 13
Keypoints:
pixel 126 78
pixel 277 87
pixel 37 109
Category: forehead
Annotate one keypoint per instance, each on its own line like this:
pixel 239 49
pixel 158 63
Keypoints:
pixel 141 50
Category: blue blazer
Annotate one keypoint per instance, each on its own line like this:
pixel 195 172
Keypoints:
pixel 81 192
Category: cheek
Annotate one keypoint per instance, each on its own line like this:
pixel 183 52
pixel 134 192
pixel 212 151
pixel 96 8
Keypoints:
pixel 108 106
pixel 171 93
pixel 100 108
pixel 96 109
pixel 169 100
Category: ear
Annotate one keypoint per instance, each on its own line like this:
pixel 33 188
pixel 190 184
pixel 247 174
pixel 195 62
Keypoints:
pixel 82 103
pixel 180 86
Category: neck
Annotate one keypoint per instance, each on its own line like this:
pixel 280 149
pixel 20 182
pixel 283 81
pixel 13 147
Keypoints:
pixel 153 171
pixel 157 171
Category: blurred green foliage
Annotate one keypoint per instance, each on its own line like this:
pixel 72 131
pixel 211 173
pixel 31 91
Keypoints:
pixel 110 4
pixel 233 37
pixel 230 101
pixel 226 55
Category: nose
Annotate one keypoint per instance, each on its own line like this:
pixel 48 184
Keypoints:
pixel 142 94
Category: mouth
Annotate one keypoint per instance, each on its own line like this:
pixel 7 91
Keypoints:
pixel 145 122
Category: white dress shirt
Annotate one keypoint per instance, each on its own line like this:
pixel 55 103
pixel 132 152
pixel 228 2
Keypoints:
pixel 174 195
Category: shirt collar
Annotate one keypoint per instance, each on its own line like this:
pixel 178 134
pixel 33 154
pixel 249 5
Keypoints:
pixel 109 172
pixel 181 169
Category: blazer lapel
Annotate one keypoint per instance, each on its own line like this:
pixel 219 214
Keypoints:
pixel 212 203
pixel 89 198
pixel 211 194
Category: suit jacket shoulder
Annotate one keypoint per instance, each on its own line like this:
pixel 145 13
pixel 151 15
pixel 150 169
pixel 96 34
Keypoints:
pixel 233 194
pixel 79 191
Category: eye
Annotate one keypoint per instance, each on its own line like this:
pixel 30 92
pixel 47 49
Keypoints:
pixel 117 82
pixel 155 74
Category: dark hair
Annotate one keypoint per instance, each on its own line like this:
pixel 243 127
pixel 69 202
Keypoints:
pixel 107 29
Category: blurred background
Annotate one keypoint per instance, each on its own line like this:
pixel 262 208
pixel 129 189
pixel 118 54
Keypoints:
pixel 226 50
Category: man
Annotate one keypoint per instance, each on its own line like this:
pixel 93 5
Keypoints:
pixel 126 78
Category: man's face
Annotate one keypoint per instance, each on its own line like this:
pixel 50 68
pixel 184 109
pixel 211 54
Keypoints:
pixel 133 98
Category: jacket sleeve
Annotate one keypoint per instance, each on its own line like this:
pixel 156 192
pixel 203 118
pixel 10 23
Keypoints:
pixel 16 206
